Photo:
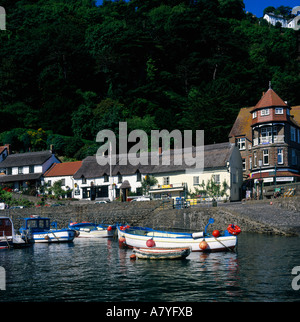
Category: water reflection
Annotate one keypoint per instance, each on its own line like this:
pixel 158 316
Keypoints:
pixel 98 270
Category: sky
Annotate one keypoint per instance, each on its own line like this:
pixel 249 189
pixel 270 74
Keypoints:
pixel 257 6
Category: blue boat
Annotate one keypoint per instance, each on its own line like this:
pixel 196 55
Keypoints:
pixel 40 231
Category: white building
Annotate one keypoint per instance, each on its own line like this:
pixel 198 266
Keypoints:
pixel 291 23
pixel 24 170
pixel 63 172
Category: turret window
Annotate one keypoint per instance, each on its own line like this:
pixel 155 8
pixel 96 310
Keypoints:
pixel 265 111
pixel 278 110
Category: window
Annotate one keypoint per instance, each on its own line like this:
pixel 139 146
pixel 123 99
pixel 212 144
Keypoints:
pixel 9 171
pixel 138 176
pixel 244 164
pixel 20 170
pixel 166 180
pixel 119 178
pixel 216 178
pixel 278 110
pixel 294 157
pixel 254 115
pixel 280 156
pixel 265 112
pixel 31 169
pixel 255 160
pixel 105 178
pixel 196 180
pixel 83 180
pixel 241 143
pixel 63 182
pixel 250 163
pixel 293 134
pixel 266 157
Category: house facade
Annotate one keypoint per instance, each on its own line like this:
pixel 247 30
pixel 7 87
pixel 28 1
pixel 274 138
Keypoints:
pixel 63 172
pixel 268 137
pixel 25 170
pixel 222 163
pixel 93 181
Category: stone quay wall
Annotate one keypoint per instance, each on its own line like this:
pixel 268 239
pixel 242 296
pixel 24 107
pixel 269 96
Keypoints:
pixel 282 217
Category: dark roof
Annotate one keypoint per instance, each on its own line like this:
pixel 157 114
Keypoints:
pixel 20 177
pixel 125 185
pixel 215 156
pixel 25 159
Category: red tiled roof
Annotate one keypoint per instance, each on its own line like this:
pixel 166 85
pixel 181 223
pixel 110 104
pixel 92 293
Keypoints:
pixel 63 169
pixel 269 99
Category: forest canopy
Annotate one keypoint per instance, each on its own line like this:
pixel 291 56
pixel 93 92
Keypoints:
pixel 70 69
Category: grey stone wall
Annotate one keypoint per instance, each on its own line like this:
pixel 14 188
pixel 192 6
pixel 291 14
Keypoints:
pixel 282 217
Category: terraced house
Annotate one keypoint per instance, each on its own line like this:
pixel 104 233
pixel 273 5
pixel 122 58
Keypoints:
pixel 268 137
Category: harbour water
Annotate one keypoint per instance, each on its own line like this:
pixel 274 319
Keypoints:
pixel 98 270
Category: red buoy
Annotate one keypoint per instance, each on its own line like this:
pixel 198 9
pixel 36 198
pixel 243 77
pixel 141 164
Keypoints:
pixel 203 245
pixel 216 233
pixel 109 228
pixel 150 243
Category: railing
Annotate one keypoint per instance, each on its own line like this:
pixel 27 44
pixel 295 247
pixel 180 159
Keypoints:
pixel 268 140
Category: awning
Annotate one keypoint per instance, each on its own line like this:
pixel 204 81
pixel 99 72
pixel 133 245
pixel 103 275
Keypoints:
pixel 166 190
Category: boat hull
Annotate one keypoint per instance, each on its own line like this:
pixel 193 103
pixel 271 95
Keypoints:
pixel 173 240
pixel 54 236
pixel 161 253
pixel 89 230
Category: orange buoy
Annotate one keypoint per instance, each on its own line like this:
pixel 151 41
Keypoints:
pixel 150 243
pixel 133 257
pixel 203 245
pixel 216 233
pixel 109 228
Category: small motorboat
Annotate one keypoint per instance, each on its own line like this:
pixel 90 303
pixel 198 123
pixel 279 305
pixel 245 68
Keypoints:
pixel 92 230
pixel 162 253
pixel 198 241
pixel 40 231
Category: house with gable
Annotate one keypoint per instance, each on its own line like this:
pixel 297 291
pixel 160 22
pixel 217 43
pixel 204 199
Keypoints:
pixel 293 23
pixel 268 137
pixel 25 170
pixel 63 172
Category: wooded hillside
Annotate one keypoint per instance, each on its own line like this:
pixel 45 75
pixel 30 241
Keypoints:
pixel 69 69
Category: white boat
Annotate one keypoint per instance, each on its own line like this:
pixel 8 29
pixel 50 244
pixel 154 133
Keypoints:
pixel 162 253
pixel 91 230
pixel 198 242
pixel 40 232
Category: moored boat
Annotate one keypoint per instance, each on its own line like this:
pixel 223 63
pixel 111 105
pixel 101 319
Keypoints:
pixel 162 253
pixel 198 242
pixel 7 233
pixel 92 230
pixel 39 230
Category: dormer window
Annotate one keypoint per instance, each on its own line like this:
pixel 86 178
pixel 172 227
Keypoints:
pixel 278 110
pixel 254 115
pixel 265 112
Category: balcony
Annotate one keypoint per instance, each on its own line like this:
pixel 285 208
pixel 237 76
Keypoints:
pixel 263 140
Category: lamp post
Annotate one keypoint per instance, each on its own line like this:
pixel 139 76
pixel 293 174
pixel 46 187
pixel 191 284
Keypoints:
pixel 260 180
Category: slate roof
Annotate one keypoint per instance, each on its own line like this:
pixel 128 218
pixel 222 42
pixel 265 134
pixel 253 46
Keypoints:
pixel 63 169
pixel 28 158
pixel 215 156
pixel 20 177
